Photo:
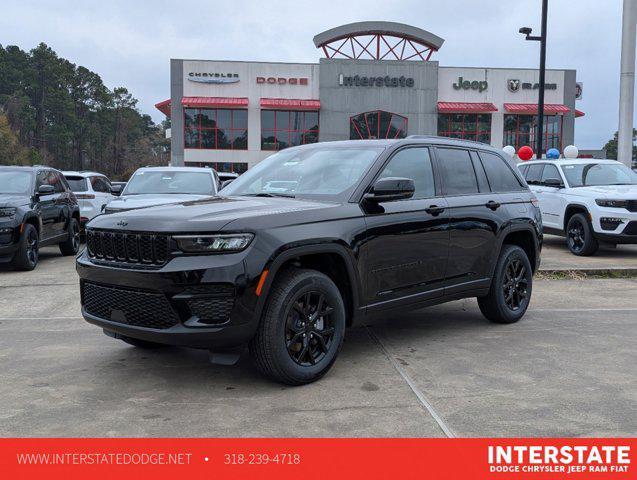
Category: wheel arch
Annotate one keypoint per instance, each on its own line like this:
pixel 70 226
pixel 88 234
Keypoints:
pixel 572 209
pixel 332 259
pixel 34 220
pixel 525 238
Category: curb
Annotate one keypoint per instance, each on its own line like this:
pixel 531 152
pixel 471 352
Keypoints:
pixel 617 272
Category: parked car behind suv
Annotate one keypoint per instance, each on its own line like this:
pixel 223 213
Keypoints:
pixel 587 201
pixel 363 228
pixel 37 208
pixel 92 190
pixel 151 186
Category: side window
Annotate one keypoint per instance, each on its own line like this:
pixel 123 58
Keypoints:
pixel 55 179
pixel 100 185
pixel 523 169
pixel 414 163
pixel 41 179
pixel 550 171
pixel 534 174
pixel 483 184
pixel 501 177
pixel 456 169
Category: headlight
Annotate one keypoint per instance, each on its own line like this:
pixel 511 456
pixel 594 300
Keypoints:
pixel 8 211
pixel 232 242
pixel 612 203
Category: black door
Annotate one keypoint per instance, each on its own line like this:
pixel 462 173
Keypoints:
pixel 407 240
pixel 475 218
pixel 48 206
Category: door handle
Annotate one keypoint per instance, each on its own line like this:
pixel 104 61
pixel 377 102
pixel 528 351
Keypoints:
pixel 434 210
pixel 493 205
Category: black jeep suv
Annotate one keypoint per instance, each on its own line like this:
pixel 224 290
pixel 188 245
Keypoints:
pixel 37 208
pixel 311 240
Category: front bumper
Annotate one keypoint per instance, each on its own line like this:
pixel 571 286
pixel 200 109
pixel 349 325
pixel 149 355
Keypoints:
pixel 9 240
pixel 178 304
pixel 623 228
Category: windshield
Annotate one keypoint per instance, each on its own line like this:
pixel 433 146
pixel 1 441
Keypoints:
pixel 593 174
pixel 77 184
pixel 160 182
pixel 322 172
pixel 15 182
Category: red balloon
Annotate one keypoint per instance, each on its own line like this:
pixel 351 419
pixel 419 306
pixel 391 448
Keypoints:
pixel 525 153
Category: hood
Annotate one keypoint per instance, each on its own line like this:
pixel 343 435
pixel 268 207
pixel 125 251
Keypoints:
pixel 214 213
pixel 131 202
pixel 622 192
pixel 13 200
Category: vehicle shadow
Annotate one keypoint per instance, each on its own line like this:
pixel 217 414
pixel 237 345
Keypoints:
pixel 45 255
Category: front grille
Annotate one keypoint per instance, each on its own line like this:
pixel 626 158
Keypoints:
pixel 631 206
pixel 631 228
pixel 130 307
pixel 211 304
pixel 144 249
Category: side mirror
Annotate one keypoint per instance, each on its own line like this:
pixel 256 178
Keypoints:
pixel 553 182
pixel 225 183
pixel 390 189
pixel 116 190
pixel 45 190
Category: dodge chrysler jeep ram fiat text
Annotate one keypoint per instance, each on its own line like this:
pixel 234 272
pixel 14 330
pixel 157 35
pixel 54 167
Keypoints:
pixel 356 228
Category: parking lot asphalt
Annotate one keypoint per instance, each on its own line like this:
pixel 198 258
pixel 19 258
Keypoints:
pixel 556 256
pixel 566 369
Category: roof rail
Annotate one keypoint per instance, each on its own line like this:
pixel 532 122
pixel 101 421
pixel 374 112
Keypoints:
pixel 426 137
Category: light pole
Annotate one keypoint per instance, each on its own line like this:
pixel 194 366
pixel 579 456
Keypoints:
pixel 627 85
pixel 540 102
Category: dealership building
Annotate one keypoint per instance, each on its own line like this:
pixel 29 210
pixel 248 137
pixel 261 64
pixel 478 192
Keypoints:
pixel 376 80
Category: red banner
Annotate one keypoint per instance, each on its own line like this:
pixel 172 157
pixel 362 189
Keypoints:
pixel 493 459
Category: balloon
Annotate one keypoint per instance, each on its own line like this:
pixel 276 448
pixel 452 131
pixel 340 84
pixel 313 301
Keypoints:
pixel 553 153
pixel 509 150
pixel 525 153
pixel 571 152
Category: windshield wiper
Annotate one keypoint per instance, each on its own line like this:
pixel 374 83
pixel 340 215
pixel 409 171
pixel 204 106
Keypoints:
pixel 267 194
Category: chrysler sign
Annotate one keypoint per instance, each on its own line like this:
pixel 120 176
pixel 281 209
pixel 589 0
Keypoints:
pixel 386 81
pixel 214 77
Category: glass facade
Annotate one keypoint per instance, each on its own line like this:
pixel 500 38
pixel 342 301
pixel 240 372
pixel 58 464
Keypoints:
pixel 215 129
pixel 377 124
pixel 466 126
pixel 287 128
pixel 520 130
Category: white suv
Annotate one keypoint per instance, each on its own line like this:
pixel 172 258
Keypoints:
pixel 92 190
pixel 587 201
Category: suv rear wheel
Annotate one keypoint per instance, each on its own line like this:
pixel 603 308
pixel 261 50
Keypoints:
pixel 579 236
pixel 71 245
pixel 511 287
pixel 26 258
pixel 302 328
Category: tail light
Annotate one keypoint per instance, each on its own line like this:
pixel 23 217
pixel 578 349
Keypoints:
pixel 84 196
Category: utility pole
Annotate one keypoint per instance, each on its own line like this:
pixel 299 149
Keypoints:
pixel 627 85
pixel 539 146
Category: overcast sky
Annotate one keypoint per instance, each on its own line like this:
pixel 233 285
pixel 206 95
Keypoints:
pixel 129 43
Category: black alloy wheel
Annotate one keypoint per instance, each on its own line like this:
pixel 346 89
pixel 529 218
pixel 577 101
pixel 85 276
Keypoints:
pixel 309 328
pixel 580 238
pixel 515 283
pixel 71 245
pixel 575 236
pixel 32 246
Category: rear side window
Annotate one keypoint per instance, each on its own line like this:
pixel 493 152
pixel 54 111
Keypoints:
pixel 456 169
pixel 534 174
pixel 550 171
pixel 77 184
pixel 413 163
pixel 100 185
pixel 501 177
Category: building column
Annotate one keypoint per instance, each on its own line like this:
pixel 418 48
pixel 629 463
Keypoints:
pixel 176 113
pixel 497 129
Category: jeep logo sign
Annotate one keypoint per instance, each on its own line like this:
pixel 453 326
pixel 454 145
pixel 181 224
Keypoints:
pixel 479 85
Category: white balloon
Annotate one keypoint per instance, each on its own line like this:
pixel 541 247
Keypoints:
pixel 509 150
pixel 571 152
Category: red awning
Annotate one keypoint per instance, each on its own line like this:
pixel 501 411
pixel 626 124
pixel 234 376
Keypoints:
pixel 290 104
pixel 164 107
pixel 215 102
pixel 466 107
pixel 531 108
pixel 579 113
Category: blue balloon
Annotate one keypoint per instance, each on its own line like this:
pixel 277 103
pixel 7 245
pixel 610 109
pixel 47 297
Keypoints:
pixel 553 153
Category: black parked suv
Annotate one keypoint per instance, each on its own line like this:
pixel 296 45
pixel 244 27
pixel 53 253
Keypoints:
pixel 311 240
pixel 37 208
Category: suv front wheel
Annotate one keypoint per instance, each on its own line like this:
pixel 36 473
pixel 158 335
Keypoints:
pixel 26 257
pixel 511 287
pixel 302 328
pixel 579 236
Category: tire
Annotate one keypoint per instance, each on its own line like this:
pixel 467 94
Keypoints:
pixel 136 342
pixel 498 306
pixel 580 238
pixel 292 344
pixel 71 245
pixel 26 257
